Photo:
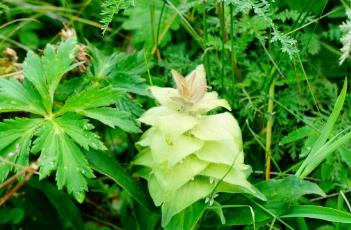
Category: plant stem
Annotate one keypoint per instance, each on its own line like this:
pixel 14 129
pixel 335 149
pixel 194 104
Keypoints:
pixel 158 30
pixel 235 71
pixel 222 24
pixel 204 21
pixel 269 130
pixel 152 22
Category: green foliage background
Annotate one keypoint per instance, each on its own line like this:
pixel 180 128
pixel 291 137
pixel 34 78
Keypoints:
pixel 275 62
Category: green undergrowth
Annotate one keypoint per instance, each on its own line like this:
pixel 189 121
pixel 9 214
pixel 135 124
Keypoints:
pixel 99 129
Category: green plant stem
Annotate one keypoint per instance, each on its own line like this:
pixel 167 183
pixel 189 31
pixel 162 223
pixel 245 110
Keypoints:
pixel 235 71
pixel 269 131
pixel 204 21
pixel 222 24
pixel 152 22
pixel 148 69
pixel 186 24
pixel 158 30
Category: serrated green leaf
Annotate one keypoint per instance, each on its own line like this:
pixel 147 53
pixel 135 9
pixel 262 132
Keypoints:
pixel 126 74
pixel 13 129
pixel 122 69
pixel 15 136
pixel 19 97
pixel 71 87
pixel 33 71
pixel 91 98
pixel 56 62
pixel 101 64
pixel 296 135
pixel 128 105
pixel 113 118
pixel 59 151
pixel 80 131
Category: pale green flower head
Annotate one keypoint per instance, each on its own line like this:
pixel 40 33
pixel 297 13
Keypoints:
pixel 191 95
pixel 188 155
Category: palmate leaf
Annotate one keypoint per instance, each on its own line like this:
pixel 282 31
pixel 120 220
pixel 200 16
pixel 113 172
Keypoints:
pixel 59 151
pixel 61 133
pixel 121 69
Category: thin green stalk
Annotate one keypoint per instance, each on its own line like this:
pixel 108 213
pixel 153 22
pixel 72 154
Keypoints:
pixel 269 127
pixel 204 21
pixel 340 204
pixel 271 214
pixel 222 24
pixel 158 29
pixel 235 72
pixel 186 24
pixel 148 69
pixel 152 22
pixel 308 84
pixel 346 200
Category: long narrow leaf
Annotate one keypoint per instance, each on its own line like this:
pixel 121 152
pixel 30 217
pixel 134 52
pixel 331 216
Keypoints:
pixel 318 212
pixel 324 133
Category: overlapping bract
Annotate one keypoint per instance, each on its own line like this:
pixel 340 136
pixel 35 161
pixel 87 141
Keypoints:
pixel 189 155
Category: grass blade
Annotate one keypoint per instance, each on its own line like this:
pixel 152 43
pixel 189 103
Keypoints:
pixel 318 212
pixel 325 132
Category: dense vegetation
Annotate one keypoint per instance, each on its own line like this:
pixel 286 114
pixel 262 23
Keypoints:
pixel 99 129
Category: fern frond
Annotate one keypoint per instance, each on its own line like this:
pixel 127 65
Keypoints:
pixel 262 9
pixel 110 8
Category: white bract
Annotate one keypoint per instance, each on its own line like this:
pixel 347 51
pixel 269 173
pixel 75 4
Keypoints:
pixel 188 155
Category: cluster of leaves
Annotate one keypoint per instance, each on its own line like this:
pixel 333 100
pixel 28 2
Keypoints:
pixel 63 120
pixel 60 132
